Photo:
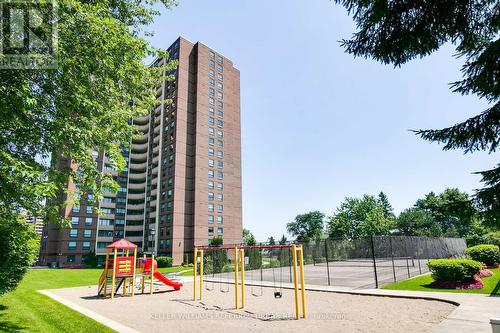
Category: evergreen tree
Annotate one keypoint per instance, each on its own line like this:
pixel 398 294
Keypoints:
pixel 283 240
pixel 398 31
pixel 271 241
pixel 383 201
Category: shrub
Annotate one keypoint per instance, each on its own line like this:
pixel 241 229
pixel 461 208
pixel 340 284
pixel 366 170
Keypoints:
pixel 164 262
pixel 485 253
pixel 90 259
pixel 19 246
pixel 454 270
pixel 320 260
pixel 273 263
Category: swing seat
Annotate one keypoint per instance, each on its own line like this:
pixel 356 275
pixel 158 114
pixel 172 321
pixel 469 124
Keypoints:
pixel 277 294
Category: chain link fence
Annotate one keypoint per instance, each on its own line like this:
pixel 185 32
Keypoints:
pixel 353 264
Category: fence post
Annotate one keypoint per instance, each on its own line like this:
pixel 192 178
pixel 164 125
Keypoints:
pixel 374 262
pixel 290 265
pixel 326 257
pixel 392 259
pixel 407 263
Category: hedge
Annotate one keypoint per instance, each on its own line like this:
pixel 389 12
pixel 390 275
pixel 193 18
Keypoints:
pixel 485 253
pixel 164 262
pixel 454 270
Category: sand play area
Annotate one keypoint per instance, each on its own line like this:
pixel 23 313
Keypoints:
pixel 174 311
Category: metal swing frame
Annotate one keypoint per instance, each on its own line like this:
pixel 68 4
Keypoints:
pixel 239 273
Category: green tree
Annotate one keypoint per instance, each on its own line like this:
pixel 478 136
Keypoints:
pixel 58 115
pixel 19 245
pixel 383 201
pixel 216 241
pixel 358 218
pixel 90 259
pixel 398 31
pixel 417 222
pixel 283 240
pixel 248 238
pixel 271 241
pixel 452 209
pixel 307 227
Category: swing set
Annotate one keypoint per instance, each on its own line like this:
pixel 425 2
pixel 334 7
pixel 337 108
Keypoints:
pixel 236 254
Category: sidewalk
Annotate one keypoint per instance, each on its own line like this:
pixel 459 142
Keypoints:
pixel 471 316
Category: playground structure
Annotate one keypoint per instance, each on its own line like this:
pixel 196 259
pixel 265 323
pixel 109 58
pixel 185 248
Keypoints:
pixel 240 260
pixel 122 270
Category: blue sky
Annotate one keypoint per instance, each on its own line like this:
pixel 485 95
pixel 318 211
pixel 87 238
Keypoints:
pixel 319 125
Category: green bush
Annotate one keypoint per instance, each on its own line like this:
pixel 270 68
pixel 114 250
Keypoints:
pixel 309 259
pixel 320 260
pixel 19 246
pixel 454 270
pixel 486 253
pixel 273 263
pixel 164 262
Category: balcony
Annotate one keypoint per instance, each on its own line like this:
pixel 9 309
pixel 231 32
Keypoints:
pixel 143 128
pixel 139 147
pixel 138 166
pixel 141 138
pixel 135 207
pixel 137 176
pixel 141 120
pixel 135 196
pixel 140 186
pixel 135 217
pixel 134 228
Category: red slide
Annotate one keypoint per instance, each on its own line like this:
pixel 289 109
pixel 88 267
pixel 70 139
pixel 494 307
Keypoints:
pixel 162 278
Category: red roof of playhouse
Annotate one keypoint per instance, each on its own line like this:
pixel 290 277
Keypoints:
pixel 122 244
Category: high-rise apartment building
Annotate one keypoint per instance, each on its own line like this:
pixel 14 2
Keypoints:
pixel 182 184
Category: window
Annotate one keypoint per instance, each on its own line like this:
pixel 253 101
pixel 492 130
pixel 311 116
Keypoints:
pixel 211 101
pixel 220 208
pixel 211 81
pixel 212 63
pixel 87 233
pixel 210 196
pixel 210 207
pixel 219 197
pixel 219 95
pixel 86 245
pixel 211 151
pixel 88 221
pixel 76 209
pixel 120 211
pixel 211 131
pixel 119 222
pixel 211 141
pixel 220 175
pixel 219 59
pixel 220 164
pixel 210 162
pixel 219 85
pixel 220 231
pixel 212 91
pixel 211 111
pixel 169 193
pixel 220 123
pixel 220 134
pixel 74 220
pixel 120 200
pixel 105 222
pixel 70 259
pixel 212 72
pixel 220 105
pixel 219 76
pixel 220 68
pixel 122 190
pixel 210 231
pixel 220 143
pixel 211 173
pixel 220 154
pixel 72 245
pixel 211 120
pixel 95 154
pixel 107 200
pixel 89 209
pixel 219 219
pixel 109 210
pixel 210 185
pixel 220 114
pixel 73 233
pixel 219 186
pixel 212 55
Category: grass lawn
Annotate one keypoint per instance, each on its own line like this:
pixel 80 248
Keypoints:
pixel 25 310
pixel 421 283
